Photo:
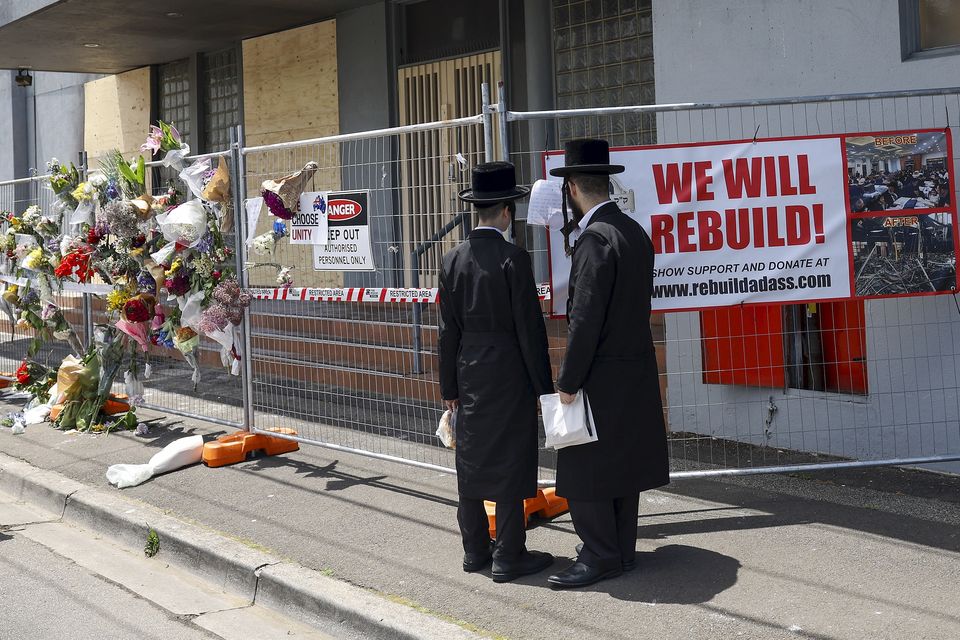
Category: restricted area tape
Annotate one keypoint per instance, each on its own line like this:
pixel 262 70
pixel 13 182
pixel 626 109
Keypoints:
pixel 334 294
pixel 361 294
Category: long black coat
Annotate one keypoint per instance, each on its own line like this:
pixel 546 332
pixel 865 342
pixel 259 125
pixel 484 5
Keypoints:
pixel 493 358
pixel 610 354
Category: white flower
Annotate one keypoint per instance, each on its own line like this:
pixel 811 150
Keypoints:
pixel 284 276
pixel 263 244
pixel 31 217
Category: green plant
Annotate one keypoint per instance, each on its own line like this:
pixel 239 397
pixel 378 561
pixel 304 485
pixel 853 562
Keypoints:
pixel 153 544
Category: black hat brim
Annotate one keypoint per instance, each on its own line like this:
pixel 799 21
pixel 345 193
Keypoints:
pixel 516 193
pixel 602 169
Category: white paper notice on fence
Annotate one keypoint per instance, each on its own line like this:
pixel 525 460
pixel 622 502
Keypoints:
pixel 546 202
pixel 309 225
pixel 349 242
pixel 253 207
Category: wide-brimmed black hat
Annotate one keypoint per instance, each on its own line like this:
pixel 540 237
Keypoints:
pixel 586 156
pixel 493 182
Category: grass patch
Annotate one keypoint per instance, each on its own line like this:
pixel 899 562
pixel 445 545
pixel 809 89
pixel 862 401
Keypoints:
pixel 469 626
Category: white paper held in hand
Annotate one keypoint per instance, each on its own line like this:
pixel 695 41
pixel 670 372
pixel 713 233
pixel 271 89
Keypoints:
pixel 567 425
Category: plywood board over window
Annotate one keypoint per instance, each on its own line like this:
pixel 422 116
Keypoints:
pixel 116 113
pixel 290 93
pixel 431 175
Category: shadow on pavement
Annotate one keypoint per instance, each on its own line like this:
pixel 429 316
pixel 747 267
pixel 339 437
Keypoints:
pixel 671 574
pixel 788 508
pixel 336 480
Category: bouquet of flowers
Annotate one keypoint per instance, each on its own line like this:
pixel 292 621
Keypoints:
pixel 36 379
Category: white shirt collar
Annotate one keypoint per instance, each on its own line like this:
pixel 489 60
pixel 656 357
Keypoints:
pixel 585 220
pixel 484 228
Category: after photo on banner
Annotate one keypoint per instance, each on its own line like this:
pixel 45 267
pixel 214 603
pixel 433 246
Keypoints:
pixel 774 221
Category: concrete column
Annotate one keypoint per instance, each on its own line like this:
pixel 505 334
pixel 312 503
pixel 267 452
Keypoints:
pixel 538 49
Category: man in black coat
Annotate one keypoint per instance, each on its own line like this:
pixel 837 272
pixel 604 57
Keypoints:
pixel 610 356
pixel 493 365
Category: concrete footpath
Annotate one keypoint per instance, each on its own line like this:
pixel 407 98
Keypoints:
pixel 866 555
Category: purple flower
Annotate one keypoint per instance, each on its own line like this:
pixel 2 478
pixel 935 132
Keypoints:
pixel 205 243
pixel 275 205
pixel 112 191
pixel 30 297
pixel 146 281
pixel 48 312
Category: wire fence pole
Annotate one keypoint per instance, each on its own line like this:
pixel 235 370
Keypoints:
pixel 239 190
pixel 487 124
pixel 503 124
pixel 87 298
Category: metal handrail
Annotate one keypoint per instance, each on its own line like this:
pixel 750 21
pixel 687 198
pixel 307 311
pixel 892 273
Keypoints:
pixel 364 135
pixel 514 116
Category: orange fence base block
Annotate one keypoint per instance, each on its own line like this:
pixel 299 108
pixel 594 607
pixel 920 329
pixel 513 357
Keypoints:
pixel 544 505
pixel 113 406
pixel 235 447
pixel 116 404
pixel 555 504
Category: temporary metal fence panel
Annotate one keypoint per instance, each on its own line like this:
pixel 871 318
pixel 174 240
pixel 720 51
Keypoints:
pixel 344 357
pixel 15 197
pixel 825 405
pixel 349 358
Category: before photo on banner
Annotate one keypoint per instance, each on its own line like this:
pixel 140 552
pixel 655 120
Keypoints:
pixel 765 221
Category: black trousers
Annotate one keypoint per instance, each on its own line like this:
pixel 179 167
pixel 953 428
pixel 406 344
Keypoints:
pixel 608 529
pixel 475 530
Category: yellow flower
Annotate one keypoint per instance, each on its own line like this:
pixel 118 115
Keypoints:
pixel 83 192
pixel 116 299
pixel 174 267
pixel 34 259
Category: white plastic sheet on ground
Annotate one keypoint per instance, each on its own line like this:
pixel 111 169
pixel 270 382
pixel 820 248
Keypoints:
pixel 177 454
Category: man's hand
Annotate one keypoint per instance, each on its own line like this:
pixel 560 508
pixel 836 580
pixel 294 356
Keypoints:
pixel 451 404
pixel 567 398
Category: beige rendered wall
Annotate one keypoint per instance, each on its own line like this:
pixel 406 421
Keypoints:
pixel 290 93
pixel 117 113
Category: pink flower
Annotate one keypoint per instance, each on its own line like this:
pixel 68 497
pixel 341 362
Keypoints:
pixel 158 318
pixel 154 139
pixel 136 330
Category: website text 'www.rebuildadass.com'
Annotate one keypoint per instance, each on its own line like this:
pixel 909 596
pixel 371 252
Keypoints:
pixel 740 285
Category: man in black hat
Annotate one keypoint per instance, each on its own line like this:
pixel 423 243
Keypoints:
pixel 610 356
pixel 493 365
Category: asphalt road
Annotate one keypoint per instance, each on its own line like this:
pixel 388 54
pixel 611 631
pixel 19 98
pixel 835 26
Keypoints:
pixel 44 596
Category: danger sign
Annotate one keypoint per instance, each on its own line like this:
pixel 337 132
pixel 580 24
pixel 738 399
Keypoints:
pixel 349 245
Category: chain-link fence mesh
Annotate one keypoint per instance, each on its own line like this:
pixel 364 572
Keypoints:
pixel 754 388
pixel 362 375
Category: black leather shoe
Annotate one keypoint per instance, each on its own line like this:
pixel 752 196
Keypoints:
pixel 476 561
pixel 528 563
pixel 630 565
pixel 581 575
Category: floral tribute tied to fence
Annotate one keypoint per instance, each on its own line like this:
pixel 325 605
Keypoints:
pixel 160 263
